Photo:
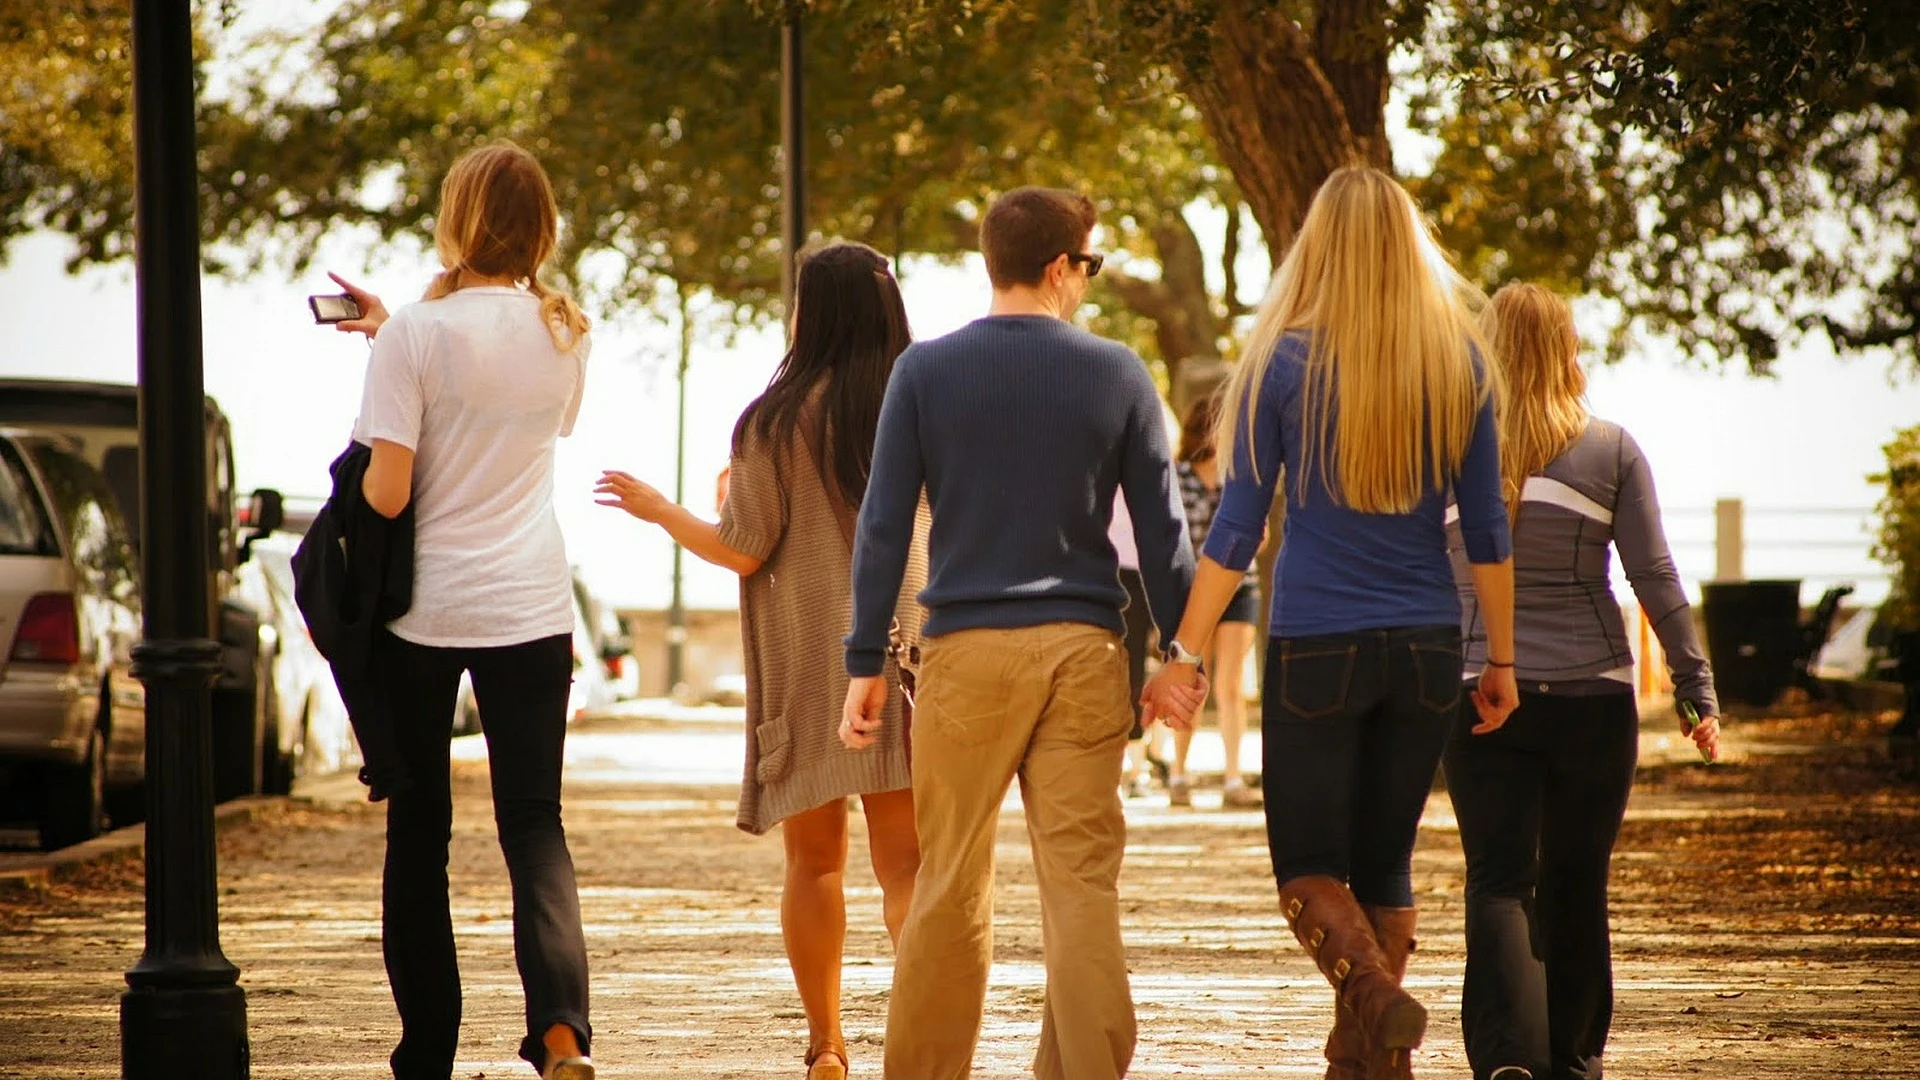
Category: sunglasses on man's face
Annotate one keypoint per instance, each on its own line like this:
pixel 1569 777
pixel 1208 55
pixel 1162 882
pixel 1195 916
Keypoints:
pixel 1093 262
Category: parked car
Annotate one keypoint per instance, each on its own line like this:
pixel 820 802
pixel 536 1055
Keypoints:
pixel 72 716
pixel 308 734
pixel 611 641
pixel 100 422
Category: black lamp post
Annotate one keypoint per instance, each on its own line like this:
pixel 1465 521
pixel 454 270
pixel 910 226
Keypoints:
pixel 677 610
pixel 183 1015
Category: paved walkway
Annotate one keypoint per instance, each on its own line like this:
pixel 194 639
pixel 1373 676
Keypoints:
pixel 1767 925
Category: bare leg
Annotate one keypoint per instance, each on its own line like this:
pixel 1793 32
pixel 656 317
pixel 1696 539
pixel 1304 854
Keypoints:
pixel 813 914
pixel 895 848
pixel 1232 642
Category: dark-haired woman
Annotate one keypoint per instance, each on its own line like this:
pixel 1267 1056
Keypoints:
pixel 801 455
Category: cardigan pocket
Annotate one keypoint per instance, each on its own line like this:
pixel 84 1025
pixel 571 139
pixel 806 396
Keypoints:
pixel 774 738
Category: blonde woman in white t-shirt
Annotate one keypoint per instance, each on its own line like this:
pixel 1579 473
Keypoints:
pixel 466 393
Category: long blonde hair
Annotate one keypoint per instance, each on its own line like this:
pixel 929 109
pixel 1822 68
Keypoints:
pixel 498 218
pixel 1530 332
pixel 1392 341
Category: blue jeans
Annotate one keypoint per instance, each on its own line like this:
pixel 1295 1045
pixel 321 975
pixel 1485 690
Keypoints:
pixel 1352 729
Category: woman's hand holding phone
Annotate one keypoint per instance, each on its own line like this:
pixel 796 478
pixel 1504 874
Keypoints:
pixel 372 312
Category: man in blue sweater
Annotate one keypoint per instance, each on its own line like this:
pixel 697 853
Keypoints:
pixel 1020 427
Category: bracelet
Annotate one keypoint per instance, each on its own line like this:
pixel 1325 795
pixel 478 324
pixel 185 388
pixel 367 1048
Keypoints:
pixel 1496 663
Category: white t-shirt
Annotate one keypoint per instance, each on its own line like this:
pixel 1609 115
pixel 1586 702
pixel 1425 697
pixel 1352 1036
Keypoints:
pixel 473 384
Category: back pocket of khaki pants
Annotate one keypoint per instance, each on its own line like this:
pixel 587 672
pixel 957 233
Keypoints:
pixel 1093 704
pixel 1314 685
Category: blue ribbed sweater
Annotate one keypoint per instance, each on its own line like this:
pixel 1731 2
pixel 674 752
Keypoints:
pixel 1020 427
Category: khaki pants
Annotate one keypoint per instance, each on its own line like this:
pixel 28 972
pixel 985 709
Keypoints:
pixel 1048 704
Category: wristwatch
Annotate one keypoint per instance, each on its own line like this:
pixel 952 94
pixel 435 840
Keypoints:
pixel 1176 653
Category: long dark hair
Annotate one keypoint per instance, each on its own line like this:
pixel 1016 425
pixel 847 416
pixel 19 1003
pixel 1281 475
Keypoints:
pixel 850 326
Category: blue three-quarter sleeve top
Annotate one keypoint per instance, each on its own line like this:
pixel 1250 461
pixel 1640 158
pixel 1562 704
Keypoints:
pixel 1340 569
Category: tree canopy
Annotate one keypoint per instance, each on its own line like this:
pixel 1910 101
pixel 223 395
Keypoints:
pixel 1731 173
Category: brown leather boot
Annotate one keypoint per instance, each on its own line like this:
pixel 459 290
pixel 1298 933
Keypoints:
pixel 1330 924
pixel 1393 929
pixel 1346 1051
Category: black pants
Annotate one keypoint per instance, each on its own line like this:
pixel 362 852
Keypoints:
pixel 1352 728
pixel 1540 803
pixel 522 694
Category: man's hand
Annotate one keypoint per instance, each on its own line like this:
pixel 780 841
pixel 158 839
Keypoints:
pixel 1496 697
pixel 866 704
pixel 1174 694
pixel 636 497
pixel 372 312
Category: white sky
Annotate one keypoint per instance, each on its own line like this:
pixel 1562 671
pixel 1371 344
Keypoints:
pixel 1806 439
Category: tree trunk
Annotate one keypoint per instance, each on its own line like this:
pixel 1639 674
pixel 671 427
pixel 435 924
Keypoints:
pixel 1286 109
pixel 1188 327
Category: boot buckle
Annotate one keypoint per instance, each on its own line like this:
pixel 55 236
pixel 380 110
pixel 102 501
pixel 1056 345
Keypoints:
pixel 1340 969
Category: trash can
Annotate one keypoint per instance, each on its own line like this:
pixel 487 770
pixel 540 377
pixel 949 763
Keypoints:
pixel 1753 635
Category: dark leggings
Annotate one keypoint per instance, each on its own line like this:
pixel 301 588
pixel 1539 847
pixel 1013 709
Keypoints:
pixel 1352 726
pixel 1540 803
pixel 522 693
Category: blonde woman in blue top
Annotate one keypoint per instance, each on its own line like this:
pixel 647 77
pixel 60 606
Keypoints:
pixel 1360 385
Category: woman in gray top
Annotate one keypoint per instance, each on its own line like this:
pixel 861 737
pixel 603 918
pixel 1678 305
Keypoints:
pixel 1541 799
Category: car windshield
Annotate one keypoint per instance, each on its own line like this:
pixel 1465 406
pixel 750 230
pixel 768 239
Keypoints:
pixel 24 529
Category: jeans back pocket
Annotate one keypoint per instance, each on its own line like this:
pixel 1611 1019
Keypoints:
pixel 1314 685
pixel 1437 673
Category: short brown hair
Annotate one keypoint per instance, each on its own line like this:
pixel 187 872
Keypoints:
pixel 1029 227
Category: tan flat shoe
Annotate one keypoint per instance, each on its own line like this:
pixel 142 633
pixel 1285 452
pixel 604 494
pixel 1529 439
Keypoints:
pixel 820 1068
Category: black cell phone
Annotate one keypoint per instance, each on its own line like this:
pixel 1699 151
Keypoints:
pixel 333 308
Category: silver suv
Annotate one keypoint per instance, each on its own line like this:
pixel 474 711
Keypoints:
pixel 72 716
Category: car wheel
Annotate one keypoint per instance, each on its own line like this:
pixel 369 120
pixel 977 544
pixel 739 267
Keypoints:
pixel 76 798
pixel 276 765
pixel 239 721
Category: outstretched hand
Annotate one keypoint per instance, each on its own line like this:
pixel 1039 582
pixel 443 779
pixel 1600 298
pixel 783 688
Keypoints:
pixel 372 312
pixel 636 497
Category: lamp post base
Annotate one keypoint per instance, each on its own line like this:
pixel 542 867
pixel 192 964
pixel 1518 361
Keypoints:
pixel 184 1033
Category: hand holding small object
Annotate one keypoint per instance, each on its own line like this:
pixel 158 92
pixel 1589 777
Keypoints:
pixel 1704 731
pixel 372 312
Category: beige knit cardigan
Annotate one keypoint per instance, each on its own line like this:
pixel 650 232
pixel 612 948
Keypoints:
pixel 794 611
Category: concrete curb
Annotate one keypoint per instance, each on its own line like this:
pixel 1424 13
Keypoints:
pixel 122 843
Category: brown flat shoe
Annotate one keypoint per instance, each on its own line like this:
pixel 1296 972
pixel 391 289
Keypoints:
pixel 820 1067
